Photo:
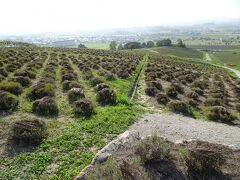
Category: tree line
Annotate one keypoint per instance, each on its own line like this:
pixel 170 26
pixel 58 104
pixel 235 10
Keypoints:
pixel 149 44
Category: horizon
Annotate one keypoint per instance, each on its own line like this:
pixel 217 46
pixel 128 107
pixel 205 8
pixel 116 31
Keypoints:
pixel 68 16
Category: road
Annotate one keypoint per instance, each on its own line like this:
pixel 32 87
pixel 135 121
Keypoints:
pixel 175 128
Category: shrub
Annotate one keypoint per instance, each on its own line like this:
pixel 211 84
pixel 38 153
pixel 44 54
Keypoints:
pixel 109 76
pixel 162 98
pixel 30 132
pixel 83 107
pixel 24 81
pixel 12 87
pixel 106 97
pixel 8 102
pixel 108 170
pixel 203 158
pixel 193 103
pixel 183 82
pixel 152 148
pixel 213 102
pixel 45 107
pixel 192 95
pixel 3 72
pixel 25 73
pixel 75 94
pixel 218 95
pixel 219 113
pixel 198 91
pixel 151 91
pixel 179 88
pixel 41 90
pixel 237 106
pixel 11 67
pixel 157 84
pixel 67 85
pixel 1 77
pixel 123 74
pixel 69 77
pixel 200 84
pixel 180 107
pixel 167 78
pixel 95 81
pixel 101 86
pixel 171 92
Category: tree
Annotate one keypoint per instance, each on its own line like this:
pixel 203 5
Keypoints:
pixel 132 45
pixel 120 47
pixel 180 43
pixel 164 42
pixel 113 45
pixel 144 45
pixel 82 46
pixel 150 44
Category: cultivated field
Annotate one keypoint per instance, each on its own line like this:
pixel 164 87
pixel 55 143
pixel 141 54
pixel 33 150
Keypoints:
pixel 194 89
pixel 81 96
pixel 230 57
pixel 60 106
pixel 172 51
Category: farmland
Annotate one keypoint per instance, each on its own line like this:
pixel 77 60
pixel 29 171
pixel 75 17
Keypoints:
pixel 84 105
pixel 230 57
pixel 82 97
pixel 193 89
pixel 172 51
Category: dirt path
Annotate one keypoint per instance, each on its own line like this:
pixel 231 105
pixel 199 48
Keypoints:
pixel 175 128
pixel 209 59
pixel 234 70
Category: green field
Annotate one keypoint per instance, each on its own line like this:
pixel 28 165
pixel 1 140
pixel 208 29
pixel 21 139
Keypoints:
pixel 226 57
pixel 172 51
pixel 97 45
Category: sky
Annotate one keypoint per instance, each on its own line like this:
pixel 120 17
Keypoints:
pixel 35 16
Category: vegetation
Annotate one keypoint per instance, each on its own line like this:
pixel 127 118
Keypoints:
pixel 230 57
pixel 171 51
pixel 155 158
pixel 79 124
pixel 164 42
pixel 82 46
pixel 82 96
pixel 113 45
pixel 190 88
pixel 28 132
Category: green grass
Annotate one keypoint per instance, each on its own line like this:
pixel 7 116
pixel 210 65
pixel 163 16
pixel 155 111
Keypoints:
pixel 70 150
pixel 237 67
pixel 97 45
pixel 172 51
pixel 227 57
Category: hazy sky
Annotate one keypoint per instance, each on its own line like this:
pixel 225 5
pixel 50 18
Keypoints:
pixel 30 16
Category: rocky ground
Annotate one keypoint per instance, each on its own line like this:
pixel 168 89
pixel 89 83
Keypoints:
pixel 178 130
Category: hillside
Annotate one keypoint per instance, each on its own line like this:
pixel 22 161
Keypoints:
pixel 59 107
